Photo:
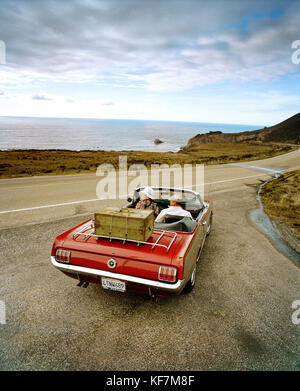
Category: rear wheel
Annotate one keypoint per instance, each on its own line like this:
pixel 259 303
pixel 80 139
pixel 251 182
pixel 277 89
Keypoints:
pixel 191 283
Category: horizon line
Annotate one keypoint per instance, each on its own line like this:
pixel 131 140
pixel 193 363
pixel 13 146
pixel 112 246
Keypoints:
pixel 134 119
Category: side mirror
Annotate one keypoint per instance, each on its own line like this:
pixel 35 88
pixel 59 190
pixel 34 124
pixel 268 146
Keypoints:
pixel 129 199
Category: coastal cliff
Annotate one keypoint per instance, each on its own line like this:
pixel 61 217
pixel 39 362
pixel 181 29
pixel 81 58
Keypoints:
pixel 287 131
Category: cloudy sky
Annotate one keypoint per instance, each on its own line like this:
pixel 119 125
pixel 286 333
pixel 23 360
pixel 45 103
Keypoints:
pixel 226 61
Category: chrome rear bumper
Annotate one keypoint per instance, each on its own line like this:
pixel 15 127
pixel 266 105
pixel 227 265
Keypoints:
pixel 64 267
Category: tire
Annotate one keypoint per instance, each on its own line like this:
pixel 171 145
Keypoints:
pixel 209 225
pixel 191 283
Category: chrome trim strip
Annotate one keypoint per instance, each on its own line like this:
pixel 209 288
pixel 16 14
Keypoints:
pixel 195 193
pixel 171 189
pixel 96 272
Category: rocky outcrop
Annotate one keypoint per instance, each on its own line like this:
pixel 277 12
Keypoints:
pixel 287 131
pixel 158 141
pixel 211 137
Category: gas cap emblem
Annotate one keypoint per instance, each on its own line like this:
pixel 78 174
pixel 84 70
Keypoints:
pixel 111 263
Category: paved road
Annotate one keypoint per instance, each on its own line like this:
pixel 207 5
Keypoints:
pixel 237 317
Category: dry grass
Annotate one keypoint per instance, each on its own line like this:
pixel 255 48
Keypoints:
pixel 20 163
pixel 281 200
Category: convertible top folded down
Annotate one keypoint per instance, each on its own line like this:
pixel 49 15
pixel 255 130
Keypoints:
pixel 185 224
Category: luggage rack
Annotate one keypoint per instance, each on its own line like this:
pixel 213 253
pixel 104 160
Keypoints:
pixel 85 228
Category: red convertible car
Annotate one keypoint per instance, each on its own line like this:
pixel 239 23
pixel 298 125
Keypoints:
pixel 164 265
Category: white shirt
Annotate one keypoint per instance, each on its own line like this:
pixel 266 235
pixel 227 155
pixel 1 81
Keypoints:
pixel 172 211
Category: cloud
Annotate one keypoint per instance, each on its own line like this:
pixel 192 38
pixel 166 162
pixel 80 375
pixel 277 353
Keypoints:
pixel 40 97
pixel 1 92
pixel 108 103
pixel 158 45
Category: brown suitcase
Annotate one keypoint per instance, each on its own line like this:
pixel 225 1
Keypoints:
pixel 125 223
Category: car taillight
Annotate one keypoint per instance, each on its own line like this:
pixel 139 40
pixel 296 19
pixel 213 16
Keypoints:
pixel 167 274
pixel 62 255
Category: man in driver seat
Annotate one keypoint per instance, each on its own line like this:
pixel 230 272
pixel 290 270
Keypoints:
pixel 175 209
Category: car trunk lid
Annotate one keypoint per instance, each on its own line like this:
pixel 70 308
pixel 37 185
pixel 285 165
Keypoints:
pixel 159 249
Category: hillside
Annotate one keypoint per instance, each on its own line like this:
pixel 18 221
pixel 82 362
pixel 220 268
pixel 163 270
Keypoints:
pixel 287 131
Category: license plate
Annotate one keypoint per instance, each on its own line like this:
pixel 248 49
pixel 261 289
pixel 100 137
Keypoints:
pixel 113 285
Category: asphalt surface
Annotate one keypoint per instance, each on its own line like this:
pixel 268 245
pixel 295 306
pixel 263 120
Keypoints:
pixel 238 317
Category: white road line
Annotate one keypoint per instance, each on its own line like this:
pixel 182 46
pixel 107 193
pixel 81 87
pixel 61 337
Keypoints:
pixel 51 206
pixel 270 170
pixel 234 179
pixel 101 199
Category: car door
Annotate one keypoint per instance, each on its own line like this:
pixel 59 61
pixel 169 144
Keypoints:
pixel 193 254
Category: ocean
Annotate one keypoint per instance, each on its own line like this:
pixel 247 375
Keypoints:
pixel 103 134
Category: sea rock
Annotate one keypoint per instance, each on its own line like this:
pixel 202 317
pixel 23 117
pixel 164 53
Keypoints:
pixel 158 141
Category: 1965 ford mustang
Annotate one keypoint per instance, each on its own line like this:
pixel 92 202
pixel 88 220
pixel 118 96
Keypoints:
pixel 164 265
